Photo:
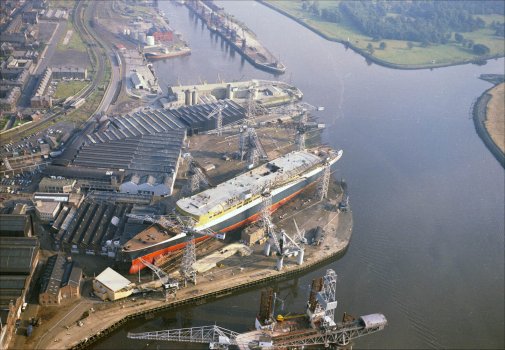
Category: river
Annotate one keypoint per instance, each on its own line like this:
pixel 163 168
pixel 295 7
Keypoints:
pixel 427 196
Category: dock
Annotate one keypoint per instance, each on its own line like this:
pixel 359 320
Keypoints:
pixel 233 274
pixel 237 35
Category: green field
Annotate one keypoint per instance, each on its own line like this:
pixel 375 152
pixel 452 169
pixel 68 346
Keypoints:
pixel 396 53
pixel 65 89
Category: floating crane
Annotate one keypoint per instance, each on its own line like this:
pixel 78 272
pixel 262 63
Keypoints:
pixel 277 332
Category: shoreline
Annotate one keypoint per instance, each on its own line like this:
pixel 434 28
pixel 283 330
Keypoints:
pixel 479 117
pixel 345 226
pixel 368 56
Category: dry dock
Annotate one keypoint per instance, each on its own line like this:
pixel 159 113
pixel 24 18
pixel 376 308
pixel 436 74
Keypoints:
pixel 235 273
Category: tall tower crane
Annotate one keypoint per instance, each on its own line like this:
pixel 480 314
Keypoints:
pixel 187 226
pixel 219 119
pixel 250 146
pixel 271 334
pixel 196 175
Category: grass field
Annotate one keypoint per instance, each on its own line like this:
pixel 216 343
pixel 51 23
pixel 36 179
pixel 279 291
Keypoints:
pixel 65 89
pixel 397 52
pixel 75 42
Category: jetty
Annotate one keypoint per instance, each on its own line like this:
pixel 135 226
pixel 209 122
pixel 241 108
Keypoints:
pixel 241 38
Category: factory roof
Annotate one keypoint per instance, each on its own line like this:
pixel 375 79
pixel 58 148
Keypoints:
pixel 17 254
pixel 146 154
pixel 18 225
pixel 112 280
pixel 248 184
pixel 197 116
pixel 58 273
pixel 146 122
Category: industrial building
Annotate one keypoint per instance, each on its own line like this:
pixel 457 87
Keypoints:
pixel 60 281
pixel 97 226
pixel 19 257
pixel 67 72
pixel 51 185
pixel 112 285
pixel 196 116
pixel 47 211
pixel 12 225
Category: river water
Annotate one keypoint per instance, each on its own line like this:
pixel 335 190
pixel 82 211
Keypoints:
pixel 428 197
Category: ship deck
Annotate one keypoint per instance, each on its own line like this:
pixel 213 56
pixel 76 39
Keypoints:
pixel 151 236
pixel 247 184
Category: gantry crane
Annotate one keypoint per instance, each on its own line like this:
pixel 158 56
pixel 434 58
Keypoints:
pixel 185 225
pixel 271 333
pixel 197 177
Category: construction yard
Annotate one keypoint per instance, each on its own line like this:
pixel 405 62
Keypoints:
pixel 230 274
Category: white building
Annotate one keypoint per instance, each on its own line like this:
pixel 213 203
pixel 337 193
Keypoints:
pixel 112 285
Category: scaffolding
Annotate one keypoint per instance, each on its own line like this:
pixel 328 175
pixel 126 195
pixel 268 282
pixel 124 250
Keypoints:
pixel 324 182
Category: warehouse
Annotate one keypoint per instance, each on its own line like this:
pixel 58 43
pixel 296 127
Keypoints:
pixel 61 281
pixel 112 285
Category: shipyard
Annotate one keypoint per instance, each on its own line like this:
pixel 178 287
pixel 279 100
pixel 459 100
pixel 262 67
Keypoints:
pixel 123 197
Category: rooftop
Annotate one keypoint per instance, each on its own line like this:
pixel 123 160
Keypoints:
pixel 112 280
pixel 17 254
pixel 17 225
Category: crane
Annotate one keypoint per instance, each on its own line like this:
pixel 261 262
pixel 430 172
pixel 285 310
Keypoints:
pixel 197 175
pixel 219 120
pixel 250 145
pixel 273 333
pixel 187 226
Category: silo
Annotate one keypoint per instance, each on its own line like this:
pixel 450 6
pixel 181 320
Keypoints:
pixel 150 40
pixel 229 93
pixel 142 37
pixel 128 32
pixel 194 96
pixel 187 95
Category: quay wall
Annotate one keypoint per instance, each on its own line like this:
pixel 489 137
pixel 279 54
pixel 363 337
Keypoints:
pixel 345 225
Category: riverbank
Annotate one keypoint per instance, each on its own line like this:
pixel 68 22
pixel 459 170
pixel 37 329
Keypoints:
pixel 489 119
pixel 90 320
pixel 435 55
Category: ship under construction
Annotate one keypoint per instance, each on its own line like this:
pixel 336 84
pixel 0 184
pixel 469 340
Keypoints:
pixel 236 202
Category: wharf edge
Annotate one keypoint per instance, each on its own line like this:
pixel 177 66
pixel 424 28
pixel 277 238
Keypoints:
pixel 345 224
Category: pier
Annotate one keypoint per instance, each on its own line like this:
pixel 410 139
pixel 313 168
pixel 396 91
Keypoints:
pixel 237 35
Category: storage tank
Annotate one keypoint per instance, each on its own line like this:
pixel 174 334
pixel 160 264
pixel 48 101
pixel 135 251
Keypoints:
pixel 142 37
pixel 127 31
pixel 187 98
pixel 150 40
pixel 229 93
pixel 115 220
pixel 194 96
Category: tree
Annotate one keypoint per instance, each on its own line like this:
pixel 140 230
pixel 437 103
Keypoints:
pixel 458 37
pixel 382 45
pixel 480 49
pixel 410 44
